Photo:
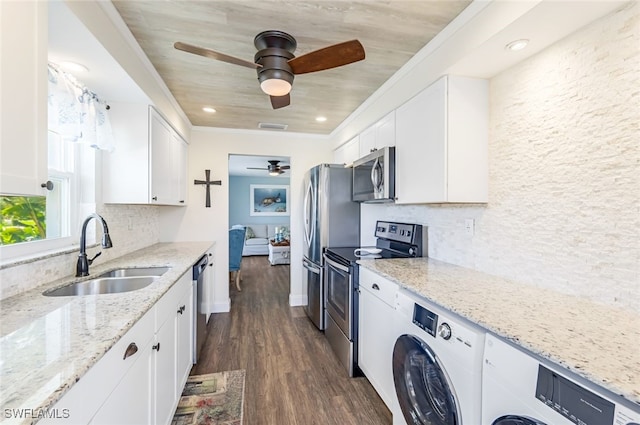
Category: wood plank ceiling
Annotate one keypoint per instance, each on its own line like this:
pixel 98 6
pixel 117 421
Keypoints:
pixel 390 31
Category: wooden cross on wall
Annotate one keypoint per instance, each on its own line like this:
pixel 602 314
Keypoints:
pixel 208 183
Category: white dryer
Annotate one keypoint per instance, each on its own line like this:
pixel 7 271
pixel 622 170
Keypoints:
pixel 437 363
pixel 519 389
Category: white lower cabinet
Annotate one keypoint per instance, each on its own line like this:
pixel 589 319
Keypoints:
pixel 164 368
pixel 131 401
pixel 184 342
pixel 140 379
pixel 376 333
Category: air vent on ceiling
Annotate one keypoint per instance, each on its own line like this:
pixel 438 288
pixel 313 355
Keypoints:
pixel 272 126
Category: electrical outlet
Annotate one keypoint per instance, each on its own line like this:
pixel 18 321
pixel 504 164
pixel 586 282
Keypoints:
pixel 469 226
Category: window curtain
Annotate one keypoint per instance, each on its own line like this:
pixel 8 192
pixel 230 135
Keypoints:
pixel 76 113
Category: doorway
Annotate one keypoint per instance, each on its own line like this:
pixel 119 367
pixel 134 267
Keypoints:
pixel 259 201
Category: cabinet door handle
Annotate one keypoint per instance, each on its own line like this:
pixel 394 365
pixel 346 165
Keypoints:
pixel 156 347
pixel 182 202
pixel 130 351
pixel 181 309
pixel 155 198
pixel 47 185
pixel 375 286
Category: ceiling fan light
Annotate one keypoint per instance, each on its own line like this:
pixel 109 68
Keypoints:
pixel 275 87
pixel 274 173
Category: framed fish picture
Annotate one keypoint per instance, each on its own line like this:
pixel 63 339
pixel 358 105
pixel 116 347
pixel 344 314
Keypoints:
pixel 269 199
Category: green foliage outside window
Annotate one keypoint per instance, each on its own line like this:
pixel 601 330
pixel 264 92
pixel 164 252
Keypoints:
pixel 22 219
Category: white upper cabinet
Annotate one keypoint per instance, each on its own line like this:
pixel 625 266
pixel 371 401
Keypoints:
pixel 441 143
pixel 149 163
pixel 23 111
pixel 348 152
pixel 379 135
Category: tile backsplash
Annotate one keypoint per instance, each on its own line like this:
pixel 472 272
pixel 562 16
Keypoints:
pixel 131 227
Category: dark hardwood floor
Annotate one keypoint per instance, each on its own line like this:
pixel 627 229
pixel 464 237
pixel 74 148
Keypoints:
pixel 292 376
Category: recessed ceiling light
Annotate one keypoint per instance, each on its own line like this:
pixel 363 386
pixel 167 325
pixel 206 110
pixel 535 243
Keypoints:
pixel 209 109
pixel 517 45
pixel 321 119
pixel 73 67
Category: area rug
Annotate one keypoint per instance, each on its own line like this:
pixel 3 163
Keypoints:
pixel 212 399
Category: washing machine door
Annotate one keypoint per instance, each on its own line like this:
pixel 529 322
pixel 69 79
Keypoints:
pixel 424 390
pixel 516 420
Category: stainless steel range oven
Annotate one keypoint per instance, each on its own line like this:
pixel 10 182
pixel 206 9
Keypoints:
pixel 341 318
pixel 394 240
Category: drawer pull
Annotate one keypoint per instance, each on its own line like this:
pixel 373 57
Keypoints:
pixel 130 351
pixel 156 347
pixel 375 286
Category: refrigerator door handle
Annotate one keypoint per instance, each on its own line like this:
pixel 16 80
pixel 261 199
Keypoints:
pixel 307 230
pixel 310 266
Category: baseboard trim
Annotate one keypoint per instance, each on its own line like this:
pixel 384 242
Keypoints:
pixel 219 307
pixel 297 300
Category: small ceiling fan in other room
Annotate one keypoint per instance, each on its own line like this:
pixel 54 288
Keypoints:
pixel 276 64
pixel 274 168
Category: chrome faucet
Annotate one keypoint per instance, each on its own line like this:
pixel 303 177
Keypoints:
pixel 82 268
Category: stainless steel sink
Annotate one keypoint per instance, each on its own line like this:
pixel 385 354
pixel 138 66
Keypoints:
pixel 102 285
pixel 141 271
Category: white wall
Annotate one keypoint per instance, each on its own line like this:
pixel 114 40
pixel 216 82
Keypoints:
pixel 564 160
pixel 210 149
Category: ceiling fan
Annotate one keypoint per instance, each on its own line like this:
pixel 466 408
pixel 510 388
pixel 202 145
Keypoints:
pixel 273 168
pixel 276 64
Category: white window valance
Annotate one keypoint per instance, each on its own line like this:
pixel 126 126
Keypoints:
pixel 76 113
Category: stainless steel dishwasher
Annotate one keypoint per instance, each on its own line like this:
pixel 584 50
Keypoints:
pixel 199 316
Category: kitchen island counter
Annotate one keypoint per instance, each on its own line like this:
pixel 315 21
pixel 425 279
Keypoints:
pixel 596 341
pixel 48 343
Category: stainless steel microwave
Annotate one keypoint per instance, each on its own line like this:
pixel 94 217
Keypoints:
pixel 374 176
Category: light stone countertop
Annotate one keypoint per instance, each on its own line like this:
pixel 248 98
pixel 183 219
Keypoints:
pixel 49 343
pixel 598 342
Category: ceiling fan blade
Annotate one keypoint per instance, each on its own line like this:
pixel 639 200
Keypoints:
pixel 328 57
pixel 285 167
pixel 208 53
pixel 254 168
pixel 280 101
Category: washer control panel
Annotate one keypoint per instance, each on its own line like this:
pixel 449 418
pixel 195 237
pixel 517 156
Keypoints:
pixel 425 319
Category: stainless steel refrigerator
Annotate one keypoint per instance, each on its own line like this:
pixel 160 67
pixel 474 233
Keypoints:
pixel 331 219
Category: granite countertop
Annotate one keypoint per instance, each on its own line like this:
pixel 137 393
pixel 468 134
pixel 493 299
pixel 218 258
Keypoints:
pixel 596 341
pixel 49 343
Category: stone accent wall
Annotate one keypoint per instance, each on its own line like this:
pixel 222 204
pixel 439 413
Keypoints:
pixel 564 161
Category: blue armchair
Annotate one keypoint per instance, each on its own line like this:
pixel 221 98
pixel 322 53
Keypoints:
pixel 236 243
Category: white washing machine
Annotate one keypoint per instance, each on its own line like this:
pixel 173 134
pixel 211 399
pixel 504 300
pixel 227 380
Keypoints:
pixel 437 365
pixel 519 389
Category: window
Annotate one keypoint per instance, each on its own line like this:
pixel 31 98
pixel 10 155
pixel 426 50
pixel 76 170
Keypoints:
pixel 77 124
pixel 49 220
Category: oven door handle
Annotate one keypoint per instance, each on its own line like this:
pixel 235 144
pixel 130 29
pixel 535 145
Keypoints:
pixel 336 265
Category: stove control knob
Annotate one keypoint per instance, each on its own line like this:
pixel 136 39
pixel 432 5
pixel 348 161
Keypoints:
pixel 444 330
